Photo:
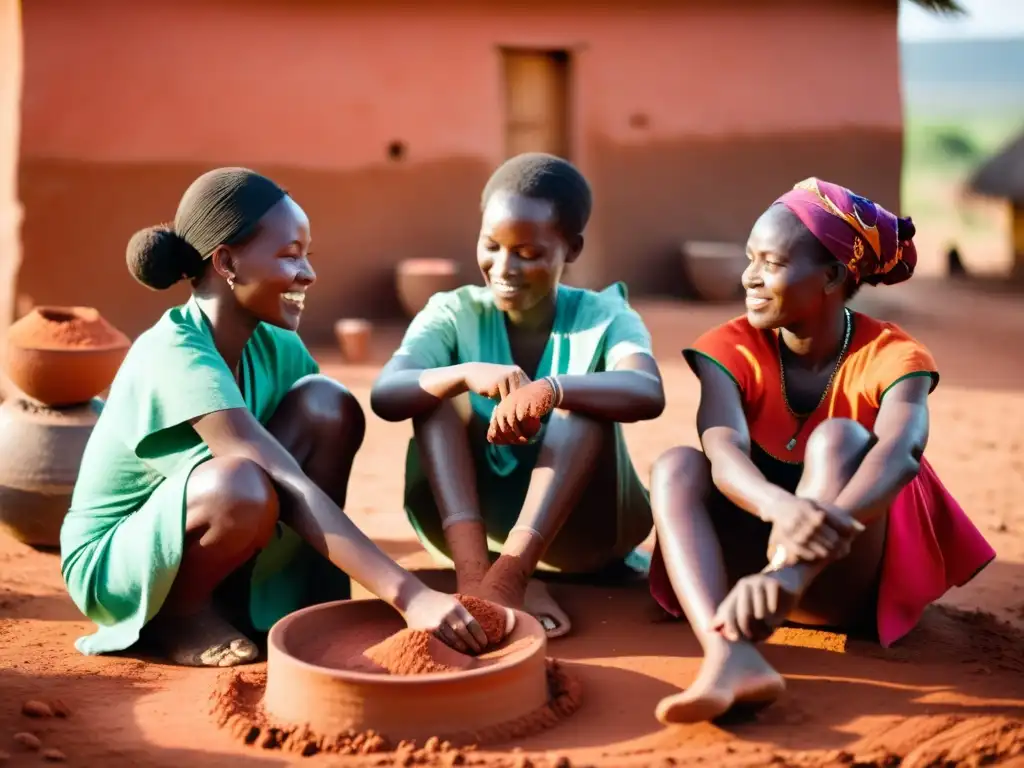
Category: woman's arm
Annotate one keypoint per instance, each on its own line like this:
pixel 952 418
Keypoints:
pixel 725 437
pixel 235 432
pixel 632 391
pixel 893 461
pixel 902 430
pixel 404 389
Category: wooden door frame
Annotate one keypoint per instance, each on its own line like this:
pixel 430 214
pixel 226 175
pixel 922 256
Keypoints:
pixel 569 98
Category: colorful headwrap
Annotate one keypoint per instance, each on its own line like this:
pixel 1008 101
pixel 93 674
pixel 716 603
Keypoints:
pixel 874 244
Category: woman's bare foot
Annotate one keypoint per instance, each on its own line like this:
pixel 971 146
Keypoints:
pixel 202 639
pixel 539 603
pixel 731 674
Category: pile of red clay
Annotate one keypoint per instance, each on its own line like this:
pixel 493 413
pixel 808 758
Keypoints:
pixel 410 652
pixel 64 328
pixel 236 705
pixel 417 652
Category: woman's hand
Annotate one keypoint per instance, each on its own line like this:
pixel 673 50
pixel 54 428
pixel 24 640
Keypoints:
pixel 809 531
pixel 755 607
pixel 517 418
pixel 447 618
pixel 493 380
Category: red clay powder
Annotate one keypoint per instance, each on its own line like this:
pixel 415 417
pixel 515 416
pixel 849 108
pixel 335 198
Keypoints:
pixel 416 652
pixel 63 328
pixel 410 652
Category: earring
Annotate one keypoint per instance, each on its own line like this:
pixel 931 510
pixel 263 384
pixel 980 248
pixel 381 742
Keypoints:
pixel 231 282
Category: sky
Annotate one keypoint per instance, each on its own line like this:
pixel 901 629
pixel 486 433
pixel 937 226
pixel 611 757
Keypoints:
pixel 984 19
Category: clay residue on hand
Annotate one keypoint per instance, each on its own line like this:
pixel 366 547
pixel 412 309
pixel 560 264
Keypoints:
pixel 489 616
pixel 236 704
pixel 410 652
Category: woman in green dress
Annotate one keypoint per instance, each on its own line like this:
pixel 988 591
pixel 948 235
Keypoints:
pixel 209 501
pixel 541 480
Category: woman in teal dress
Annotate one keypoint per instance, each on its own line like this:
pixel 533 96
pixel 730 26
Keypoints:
pixel 209 501
pixel 541 479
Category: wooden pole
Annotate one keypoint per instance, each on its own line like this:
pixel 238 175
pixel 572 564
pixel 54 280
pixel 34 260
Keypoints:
pixel 11 63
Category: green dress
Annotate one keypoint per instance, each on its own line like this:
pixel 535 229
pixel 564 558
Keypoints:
pixel 123 538
pixel 592 332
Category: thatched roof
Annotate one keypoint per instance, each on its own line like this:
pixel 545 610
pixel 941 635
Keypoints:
pixel 940 6
pixel 1002 175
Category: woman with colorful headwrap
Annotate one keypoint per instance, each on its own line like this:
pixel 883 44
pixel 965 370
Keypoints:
pixel 811 500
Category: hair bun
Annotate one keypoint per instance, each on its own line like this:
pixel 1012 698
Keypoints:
pixel 158 257
pixel 905 229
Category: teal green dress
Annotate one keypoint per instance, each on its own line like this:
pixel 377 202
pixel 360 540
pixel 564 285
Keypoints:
pixel 592 332
pixel 123 538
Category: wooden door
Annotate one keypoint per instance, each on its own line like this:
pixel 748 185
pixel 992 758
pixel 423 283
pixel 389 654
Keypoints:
pixel 536 102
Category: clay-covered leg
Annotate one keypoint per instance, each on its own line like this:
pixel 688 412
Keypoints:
pixel 444 440
pixel 731 672
pixel 562 479
pixel 231 509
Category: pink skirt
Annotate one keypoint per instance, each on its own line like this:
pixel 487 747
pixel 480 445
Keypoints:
pixel 931 546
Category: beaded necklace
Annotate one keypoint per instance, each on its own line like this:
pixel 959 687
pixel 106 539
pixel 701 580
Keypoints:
pixel 801 419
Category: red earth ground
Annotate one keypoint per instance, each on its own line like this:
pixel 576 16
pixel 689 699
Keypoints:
pixel 951 693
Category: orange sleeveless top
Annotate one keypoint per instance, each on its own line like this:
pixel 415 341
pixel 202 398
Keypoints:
pixel 880 355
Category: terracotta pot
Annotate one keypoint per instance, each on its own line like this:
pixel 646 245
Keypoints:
pixel 416 280
pixel 58 374
pixel 40 452
pixel 354 338
pixel 305 685
pixel 715 269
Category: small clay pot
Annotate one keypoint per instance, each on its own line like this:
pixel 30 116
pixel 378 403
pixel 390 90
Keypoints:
pixel 40 453
pixel 714 269
pixel 416 280
pixel 354 337
pixel 61 375
pixel 503 685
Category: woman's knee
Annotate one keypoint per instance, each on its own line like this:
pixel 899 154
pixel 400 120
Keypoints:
pixel 566 429
pixel 454 413
pixel 838 441
pixel 682 466
pixel 233 499
pixel 679 470
pixel 330 409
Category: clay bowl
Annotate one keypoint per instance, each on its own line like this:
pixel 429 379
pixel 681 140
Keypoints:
pixel 416 280
pixel 307 686
pixel 714 269
pixel 354 337
pixel 60 375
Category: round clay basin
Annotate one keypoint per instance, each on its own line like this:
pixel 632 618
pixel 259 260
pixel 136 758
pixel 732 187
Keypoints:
pixel 58 375
pixel 416 280
pixel 63 377
pixel 306 684
pixel 715 269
